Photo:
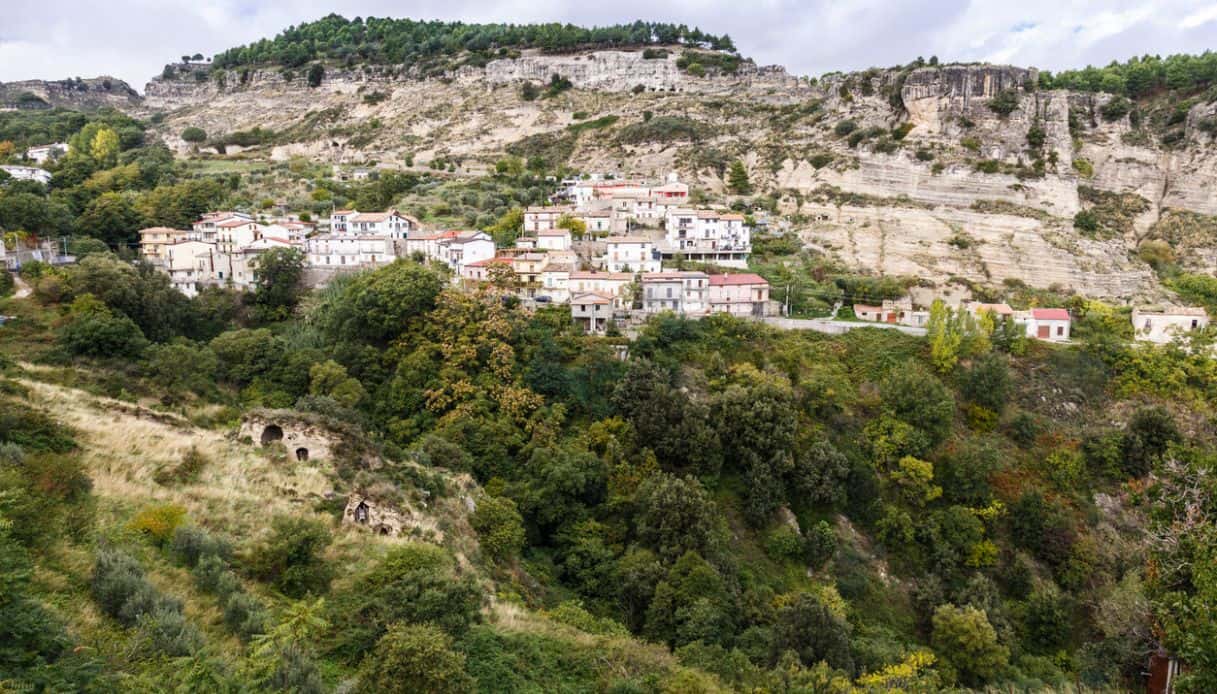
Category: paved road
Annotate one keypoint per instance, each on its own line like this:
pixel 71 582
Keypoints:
pixel 836 327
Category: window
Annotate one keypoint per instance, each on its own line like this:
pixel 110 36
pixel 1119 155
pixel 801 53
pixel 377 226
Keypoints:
pixel 1060 330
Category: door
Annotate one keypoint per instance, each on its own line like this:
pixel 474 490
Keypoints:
pixel 1042 332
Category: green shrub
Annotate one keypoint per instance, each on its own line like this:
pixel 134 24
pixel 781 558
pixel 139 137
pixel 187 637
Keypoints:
pixel 1004 102
pixel 1115 109
pixel 290 558
pixel 165 630
pixel 212 575
pixel 191 544
pixel 1086 220
pixel 415 658
pixel 971 144
pixel 245 616
pixel 924 155
pixel 117 576
pixel 1084 168
pixel 821 544
pixel 499 527
pixel 988 166
pixel 784 544
pixel 845 127
pixel 194 135
pixel 901 131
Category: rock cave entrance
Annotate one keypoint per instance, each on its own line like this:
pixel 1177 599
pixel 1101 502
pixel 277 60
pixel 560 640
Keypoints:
pixel 271 434
pixel 301 454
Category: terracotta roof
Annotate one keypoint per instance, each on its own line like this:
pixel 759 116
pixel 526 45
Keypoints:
pixel 627 239
pixel 371 217
pixel 557 209
pixel 161 230
pixel 559 267
pixel 345 211
pixel 736 279
pixel 591 298
pixel 1049 314
pixel 554 232
pixel 866 308
pixel 233 223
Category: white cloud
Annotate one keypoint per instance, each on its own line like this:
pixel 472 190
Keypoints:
pixel 132 39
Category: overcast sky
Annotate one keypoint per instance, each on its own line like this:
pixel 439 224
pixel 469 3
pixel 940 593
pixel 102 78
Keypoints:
pixel 133 39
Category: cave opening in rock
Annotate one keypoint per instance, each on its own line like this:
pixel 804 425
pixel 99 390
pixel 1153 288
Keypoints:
pixel 272 434
pixel 301 454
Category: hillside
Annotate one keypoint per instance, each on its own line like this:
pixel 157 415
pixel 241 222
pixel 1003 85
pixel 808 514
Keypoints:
pixel 76 93
pixel 962 172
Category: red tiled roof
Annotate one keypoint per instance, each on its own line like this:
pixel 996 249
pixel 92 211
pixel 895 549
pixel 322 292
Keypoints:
pixel 1049 314
pixel 736 279
pixel 229 224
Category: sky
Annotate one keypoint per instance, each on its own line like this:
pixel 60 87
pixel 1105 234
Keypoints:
pixel 133 39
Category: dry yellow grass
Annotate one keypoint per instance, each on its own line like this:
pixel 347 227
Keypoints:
pixel 124 445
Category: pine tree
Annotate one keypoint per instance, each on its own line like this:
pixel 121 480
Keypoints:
pixel 737 179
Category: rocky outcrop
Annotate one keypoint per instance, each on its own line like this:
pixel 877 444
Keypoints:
pixel 621 71
pixel 86 94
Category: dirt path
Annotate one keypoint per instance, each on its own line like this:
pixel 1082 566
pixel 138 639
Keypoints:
pixel 23 289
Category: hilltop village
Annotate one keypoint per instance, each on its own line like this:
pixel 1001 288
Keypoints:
pixel 615 250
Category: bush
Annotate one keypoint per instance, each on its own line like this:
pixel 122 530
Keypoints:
pixel 1004 102
pixel 415 658
pixel 821 544
pixel 117 576
pixel 245 616
pixel 316 72
pixel 159 522
pixel 784 544
pixel 499 527
pixel 194 135
pixel 165 630
pixel 1086 220
pixel 1150 432
pixel 290 558
pixel 192 544
pixel 845 127
pixel 93 330
pixel 1084 168
pixel 185 472
pixel 1115 109
pixel 212 575
pixel 988 166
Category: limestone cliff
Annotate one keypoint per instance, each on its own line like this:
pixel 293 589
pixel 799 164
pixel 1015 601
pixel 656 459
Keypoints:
pixel 74 93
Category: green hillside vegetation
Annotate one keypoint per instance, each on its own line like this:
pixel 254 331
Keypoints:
pixel 731 507
pixel 426 44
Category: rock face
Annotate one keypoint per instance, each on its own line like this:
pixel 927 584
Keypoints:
pixel 622 71
pixel 380 518
pixel 76 93
pixel 302 438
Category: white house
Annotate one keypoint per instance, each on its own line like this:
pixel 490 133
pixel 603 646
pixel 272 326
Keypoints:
pixel 1051 324
pixel 390 223
pixel 1162 327
pixel 555 282
pixel 348 250
pixel 544 218
pixel 43 153
pixel 452 248
pixel 591 311
pixel 630 254
pixel 742 294
pixel 683 292
pixel 237 232
pixel 554 240
pixel 707 236
pixel 613 284
pixel 206 228
pixel 192 264
pixel 28 173
pixel 244 260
